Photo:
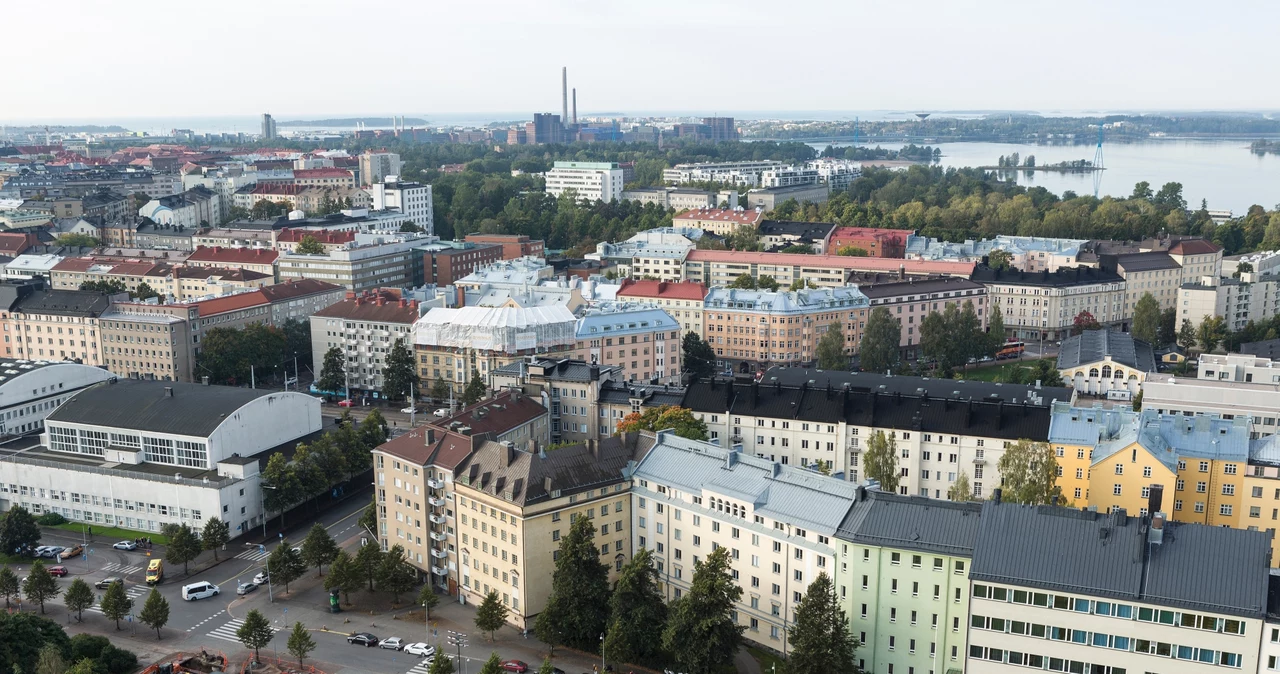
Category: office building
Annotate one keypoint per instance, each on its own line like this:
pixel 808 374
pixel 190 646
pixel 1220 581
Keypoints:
pixel 777 235
pixel 1257 401
pixel 589 181
pixel 372 261
pixel 514 246
pixel 1237 367
pixel 268 131
pixel 769 198
pixel 876 242
pixel 720 129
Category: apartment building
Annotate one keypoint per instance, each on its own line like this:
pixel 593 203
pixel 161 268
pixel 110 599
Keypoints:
pixel 260 260
pixel 718 221
pixel 777 521
pixel 1238 367
pixel 377 166
pixel 324 178
pixel 190 210
pixel 780 234
pixel 413 200
pixel 569 388
pixel 1044 305
pixel 655 253
pixel 877 242
pixel 1109 593
pixel 910 301
pixel 683 300
pixel 1197 257
pixel 1258 401
pixel 1240 301
pixel 287 239
pixel 444 263
pixel 722 267
pixel 514 246
pixel 52 324
pixel 679 199
pixel 453 343
pixel 1155 272
pixel 903 580
pixel 1105 363
pixel 644 343
pixel 618 399
pixel 373 261
pixel 589 181
pixel 509 416
pixel 364 326
pixel 745 173
pixel 824 418
pixel 758 329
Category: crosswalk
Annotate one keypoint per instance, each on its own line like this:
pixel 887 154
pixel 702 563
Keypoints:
pixel 421 668
pixel 132 592
pixel 227 632
pixel 122 569
pixel 253 555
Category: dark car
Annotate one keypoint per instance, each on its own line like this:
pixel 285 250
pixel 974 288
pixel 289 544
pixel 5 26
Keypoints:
pixel 363 638
pixel 517 666
pixel 58 571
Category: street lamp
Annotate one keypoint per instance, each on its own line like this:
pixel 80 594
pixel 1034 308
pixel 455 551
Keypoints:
pixel 602 653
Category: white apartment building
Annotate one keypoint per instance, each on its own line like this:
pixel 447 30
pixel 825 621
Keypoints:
pixel 1259 399
pixel 1238 367
pixel 1044 305
pixel 591 181
pixel 741 173
pixel 375 167
pixel 371 261
pixel 413 200
pixel 1238 300
pixel 789 176
pixel 364 326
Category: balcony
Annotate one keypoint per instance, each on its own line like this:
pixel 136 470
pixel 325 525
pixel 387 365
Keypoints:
pixel 437 536
pixel 436 519
pixel 437 502
pixel 439 571
pixel 979 461
pixel 435 484
pixel 439 554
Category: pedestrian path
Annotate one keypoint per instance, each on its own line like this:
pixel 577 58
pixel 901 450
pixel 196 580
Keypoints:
pixel 253 555
pixel 131 592
pixel 202 622
pixel 122 569
pixel 227 632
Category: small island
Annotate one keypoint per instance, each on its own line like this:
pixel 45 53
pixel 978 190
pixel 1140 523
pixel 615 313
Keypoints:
pixel 1261 146
pixel 1014 162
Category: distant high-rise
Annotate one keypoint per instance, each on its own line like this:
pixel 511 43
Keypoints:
pixel 268 127
pixel 721 128
pixel 545 128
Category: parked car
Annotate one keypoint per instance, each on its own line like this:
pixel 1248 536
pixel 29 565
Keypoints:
pixel 363 638
pixel 106 582
pixel 52 551
pixel 39 551
pixel 125 545
pixel 517 666
pixel 442 412
pixel 245 588
pixel 260 579
pixel 391 643
pixel 73 551
pixel 420 648
pixel 58 571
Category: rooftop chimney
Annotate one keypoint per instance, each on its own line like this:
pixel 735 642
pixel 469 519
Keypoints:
pixel 168 391
pixel 575 105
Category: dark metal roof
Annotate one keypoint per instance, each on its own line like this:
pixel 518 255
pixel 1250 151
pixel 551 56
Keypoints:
pixel 954 389
pixel 918 286
pixel 1092 346
pixel 193 409
pixel 650 395
pixel 1064 277
pixel 1268 348
pixel 810 231
pixel 63 303
pixel 1134 262
pixel 524 478
pixel 912 523
pixel 1195 567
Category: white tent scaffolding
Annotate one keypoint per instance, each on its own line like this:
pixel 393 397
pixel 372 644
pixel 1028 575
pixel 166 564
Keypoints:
pixel 502 329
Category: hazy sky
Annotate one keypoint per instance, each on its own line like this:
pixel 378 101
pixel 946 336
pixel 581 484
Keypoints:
pixel 144 58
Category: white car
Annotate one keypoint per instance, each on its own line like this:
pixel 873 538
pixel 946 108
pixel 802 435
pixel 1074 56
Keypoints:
pixel 420 648
pixel 125 545
pixel 260 579
pixel 409 410
pixel 442 412
pixel 391 643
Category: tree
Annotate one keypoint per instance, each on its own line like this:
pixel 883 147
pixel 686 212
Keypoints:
pixel 880 461
pixel 1137 402
pixel 995 331
pixel 395 574
pixel 344 575
pixel 1212 330
pixel 144 292
pixel 39 585
pixel 831 353
pixel 1168 330
pixel 547 668
pixel 960 489
pixel 744 282
pixel 1000 259
pixel 660 418
pixel 285 564
pixel 216 534
pixel 369 560
pixel 184 546
pixel 281 486
pixel 578 608
pixel 1146 319
pixel 333 374
pixel 113 286
pixel 493 665
pixel 820 638
pixel 701 633
pixel 637 613
pixel 50 661
pixel 255 632
pixel 439 389
pixel 319 548
pixel 442 664
pixel 408 226
pixel 300 643
pixel 115 603
pixel 9 586
pixel 801 284
pixel 399 372
pixel 852 251
pixel 491 615
pixel 78 241
pixel 373 432
pixel 18 530
pixel 767 282
pixel 308 245
pixel 369 520
pixel 1187 336
pixel 155 612
pixel 879 349
pixel 1084 321
pixel 1029 471
pixel 78 598
pixel 476 389
pixel 699 356
pixel 427 599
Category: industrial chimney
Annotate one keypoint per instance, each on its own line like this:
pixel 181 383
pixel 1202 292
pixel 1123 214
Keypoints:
pixel 575 106
pixel 564 94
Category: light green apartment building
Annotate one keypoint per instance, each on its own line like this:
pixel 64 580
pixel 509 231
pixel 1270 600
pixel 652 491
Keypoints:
pixel 902 579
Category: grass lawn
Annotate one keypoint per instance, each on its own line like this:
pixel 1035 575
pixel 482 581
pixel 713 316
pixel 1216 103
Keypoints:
pixel 112 534
pixel 768 661
pixel 998 372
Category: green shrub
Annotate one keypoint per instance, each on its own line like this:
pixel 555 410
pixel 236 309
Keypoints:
pixel 51 519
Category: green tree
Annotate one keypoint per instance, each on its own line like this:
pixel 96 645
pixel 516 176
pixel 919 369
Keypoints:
pixel 39 585
pixel 115 603
pixel 1137 402
pixel 493 665
pixel 831 353
pixel 79 597
pixel 216 533
pixel 373 432
pixel 971 340
pixel 18 530
pixel 578 607
pixel 155 612
pixel 399 372
pixel 50 661
pixel 699 356
pixel 300 643
pixel 369 559
pixel 767 282
pixel 637 613
pixel 442 664
pixel 491 615
pixel 285 564
pixel 113 286
pixel 476 389
pixel 995 331
pixel 333 372
pixel 960 489
pixel 255 632
pixel 319 548
pixel 802 284
pixel 281 486
pixel 369 520
pixel 144 292
pixel 439 389
pixel 744 282
pixel 879 349
pixel 546 667
pixel 660 418
pixel 427 599
pixel 344 575
pixel 184 546
pixel 78 241
pixel 1000 259
pixel 308 245
pixel 9 585
pixel 934 340
pixel 395 574
pixel 1146 319
pixel 852 251
pixel 1211 332
pixel 1029 473
pixel 701 633
pixel 880 461
pixel 1168 331
pixel 820 638
pixel 1187 336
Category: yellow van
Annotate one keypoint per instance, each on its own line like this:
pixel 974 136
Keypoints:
pixel 155 571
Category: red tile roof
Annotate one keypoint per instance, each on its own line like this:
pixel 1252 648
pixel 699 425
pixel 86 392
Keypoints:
pixel 309 174
pixel 684 290
pixel 1193 247
pixel 747 217
pixel 223 255
pixel 220 305
pixel 429 446
pixel 287 189
pixel 292 289
pixel 842 261
pixel 323 236
pixel 897 236
pixel 13 243
pixel 383 306
pixel 497 415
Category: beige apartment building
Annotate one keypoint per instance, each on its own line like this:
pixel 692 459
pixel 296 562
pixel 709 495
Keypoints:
pixel 912 300
pixel 682 301
pixel 54 325
pixel 570 389
pixel 720 221
pixel 142 341
pixel 722 267
pixel 758 329
pixel 641 341
pixel 1044 305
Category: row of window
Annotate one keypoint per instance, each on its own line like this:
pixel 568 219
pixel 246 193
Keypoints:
pixel 1099 640
pixel 1203 655
pixel 1111 609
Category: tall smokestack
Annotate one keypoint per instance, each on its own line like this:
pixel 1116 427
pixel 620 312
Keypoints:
pixel 564 94
pixel 575 105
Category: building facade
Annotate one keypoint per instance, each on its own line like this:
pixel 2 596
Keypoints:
pixel 1044 305
pixel 912 300
pixel 683 301
pixel 643 343
pixel 757 329
pixel 589 181
pixel 364 326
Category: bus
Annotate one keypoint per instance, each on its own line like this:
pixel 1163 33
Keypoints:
pixel 1010 350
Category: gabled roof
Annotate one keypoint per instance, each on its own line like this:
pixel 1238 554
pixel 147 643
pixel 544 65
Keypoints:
pixel 1193 247
pixel 500 414
pixel 683 290
pixel 1094 346
pixel 912 523
pixel 525 478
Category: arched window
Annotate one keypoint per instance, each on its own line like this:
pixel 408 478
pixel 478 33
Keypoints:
pixel 1119 373
pixel 1133 377
pixel 1093 372
pixel 1106 371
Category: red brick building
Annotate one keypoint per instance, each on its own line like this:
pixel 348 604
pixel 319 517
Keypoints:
pixel 877 242
pixel 442 266
pixel 513 245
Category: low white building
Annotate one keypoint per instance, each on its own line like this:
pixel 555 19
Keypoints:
pixel 591 181
pixel 139 454
pixel 1238 367
pixel 31 389
pixel 29 266
pixel 1185 396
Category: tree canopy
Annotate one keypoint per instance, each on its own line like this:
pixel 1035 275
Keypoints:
pixel 879 351
pixel 1029 471
pixel 699 356
pixel 880 461
pixel 660 418
pixel 578 607
pixel 701 634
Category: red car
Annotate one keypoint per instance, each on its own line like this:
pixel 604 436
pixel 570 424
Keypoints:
pixel 515 666
pixel 345 403
pixel 58 571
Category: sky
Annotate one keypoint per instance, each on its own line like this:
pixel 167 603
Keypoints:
pixel 154 58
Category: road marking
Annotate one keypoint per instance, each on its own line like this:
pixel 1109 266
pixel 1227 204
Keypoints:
pixel 253 555
pixel 421 668
pixel 197 625
pixel 227 632
pixel 122 568
pixel 132 593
